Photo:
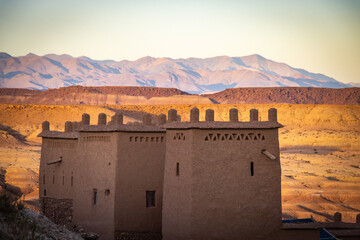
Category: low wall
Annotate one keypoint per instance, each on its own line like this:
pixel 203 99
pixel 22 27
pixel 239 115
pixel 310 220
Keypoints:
pixel 60 211
pixel 121 235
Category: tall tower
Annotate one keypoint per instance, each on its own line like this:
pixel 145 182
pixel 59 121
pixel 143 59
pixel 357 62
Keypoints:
pixel 222 180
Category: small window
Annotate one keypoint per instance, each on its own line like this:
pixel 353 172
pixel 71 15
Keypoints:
pixel 63 180
pixel 107 192
pixel 177 169
pixel 94 196
pixel 252 168
pixel 150 199
pixel 44 192
pixel 54 179
pixel 72 181
pixel 44 178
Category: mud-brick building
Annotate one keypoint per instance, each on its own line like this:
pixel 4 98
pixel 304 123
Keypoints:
pixel 107 178
pixel 223 179
pixel 174 180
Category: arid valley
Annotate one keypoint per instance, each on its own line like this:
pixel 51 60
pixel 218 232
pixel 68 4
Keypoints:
pixel 320 149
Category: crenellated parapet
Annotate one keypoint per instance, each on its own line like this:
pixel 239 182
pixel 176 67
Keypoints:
pixel 72 128
pixel 233 122
pixel 161 122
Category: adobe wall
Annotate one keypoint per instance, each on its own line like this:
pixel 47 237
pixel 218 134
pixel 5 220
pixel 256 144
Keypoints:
pixel 297 234
pixel 177 199
pixel 55 179
pixel 140 168
pixel 226 186
pixel 121 235
pixel 95 166
pixel 228 202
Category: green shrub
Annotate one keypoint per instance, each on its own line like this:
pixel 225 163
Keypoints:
pixel 7 205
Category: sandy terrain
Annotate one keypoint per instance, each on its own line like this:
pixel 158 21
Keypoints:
pixel 318 183
pixel 320 149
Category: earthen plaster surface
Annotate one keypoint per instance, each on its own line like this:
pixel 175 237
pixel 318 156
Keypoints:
pixel 211 179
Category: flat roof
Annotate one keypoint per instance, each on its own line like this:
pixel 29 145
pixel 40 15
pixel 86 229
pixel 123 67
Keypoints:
pixel 162 128
pixel 57 134
pixel 103 128
pixel 121 128
pixel 304 223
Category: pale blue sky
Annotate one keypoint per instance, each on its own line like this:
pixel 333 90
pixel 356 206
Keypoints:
pixel 317 35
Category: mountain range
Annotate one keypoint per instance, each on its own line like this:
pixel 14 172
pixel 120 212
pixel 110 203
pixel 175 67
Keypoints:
pixel 192 75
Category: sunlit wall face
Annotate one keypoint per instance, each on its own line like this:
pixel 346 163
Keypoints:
pixel 319 36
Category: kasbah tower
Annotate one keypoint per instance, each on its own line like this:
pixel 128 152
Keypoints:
pixel 169 179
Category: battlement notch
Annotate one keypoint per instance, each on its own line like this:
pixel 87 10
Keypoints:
pixel 254 115
pixel 162 119
pixel 68 126
pixel 45 126
pixel 337 217
pixel 209 115
pixel 233 115
pixel 102 119
pixel 194 115
pixel 272 114
pixel 117 119
pixel 85 119
pixel 172 115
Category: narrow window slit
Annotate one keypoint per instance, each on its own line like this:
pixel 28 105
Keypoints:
pixel 177 169
pixel 252 168
pixel 150 199
pixel 94 196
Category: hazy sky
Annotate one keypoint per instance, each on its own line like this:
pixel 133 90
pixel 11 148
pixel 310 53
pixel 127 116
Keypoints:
pixel 317 35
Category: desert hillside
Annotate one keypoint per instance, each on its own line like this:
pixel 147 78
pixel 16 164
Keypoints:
pixel 320 149
pixel 305 125
pixel 147 92
pixel 75 95
pixel 292 95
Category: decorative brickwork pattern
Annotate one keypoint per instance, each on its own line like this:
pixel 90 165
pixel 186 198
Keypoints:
pixel 179 136
pixel 96 139
pixel 234 137
pixel 145 139
pixel 57 144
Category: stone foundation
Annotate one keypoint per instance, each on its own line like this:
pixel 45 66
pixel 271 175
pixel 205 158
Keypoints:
pixel 122 235
pixel 60 211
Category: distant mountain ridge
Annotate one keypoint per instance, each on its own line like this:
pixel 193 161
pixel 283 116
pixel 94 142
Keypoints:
pixel 291 95
pixel 76 95
pixel 193 75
